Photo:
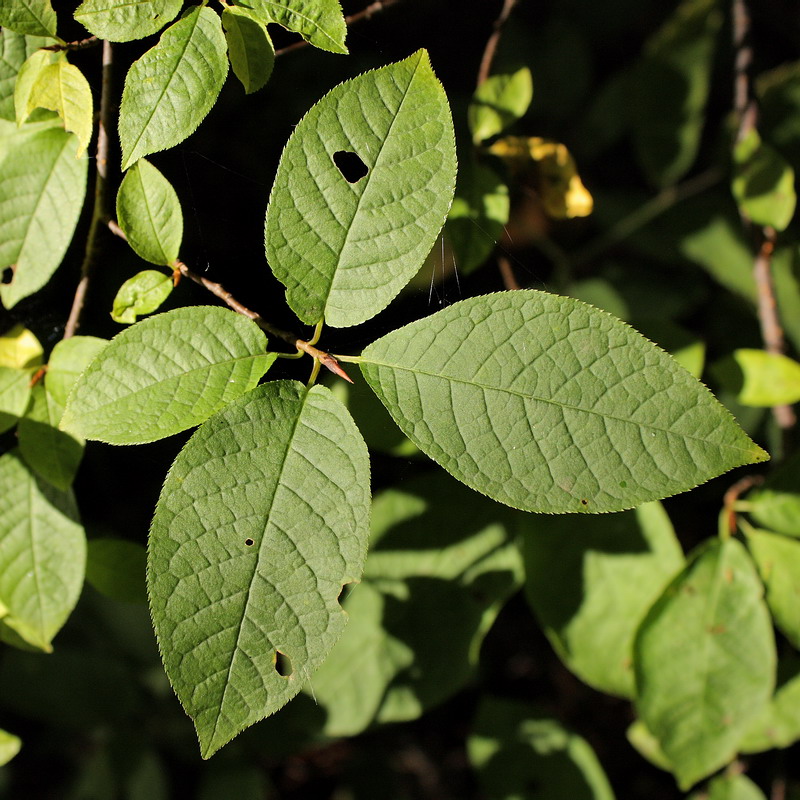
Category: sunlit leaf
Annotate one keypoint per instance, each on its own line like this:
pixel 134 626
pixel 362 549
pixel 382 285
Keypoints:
pixel 250 49
pixel 34 17
pixel 498 102
pixel 15 49
pixel 69 358
pixel 141 294
pixel 124 22
pixel 776 504
pixel 20 348
pixel 730 787
pixel 760 378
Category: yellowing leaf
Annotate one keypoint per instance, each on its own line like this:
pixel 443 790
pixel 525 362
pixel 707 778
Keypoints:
pixel 769 379
pixel 561 190
pixel 19 348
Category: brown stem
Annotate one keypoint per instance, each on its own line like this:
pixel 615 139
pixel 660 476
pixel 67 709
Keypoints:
pixel 98 210
pixel 81 44
pixel 734 493
pixel 507 273
pixel 366 13
pixel 491 45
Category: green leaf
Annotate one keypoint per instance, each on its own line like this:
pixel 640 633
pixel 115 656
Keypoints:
pixel 262 520
pixel 550 405
pixel 479 213
pixel 51 453
pixel 34 17
pixel 42 553
pixel 520 753
pixel 250 49
pixel 779 724
pixel 759 378
pixel 705 660
pixel 670 89
pixel 763 183
pixel 124 22
pixel 15 393
pixel 27 77
pixel 15 49
pixel 172 87
pixel 10 745
pixel 61 87
pixel 149 213
pixel 116 568
pixel 778 561
pixel 730 787
pixel 20 348
pixel 69 359
pixel 342 249
pixel 159 377
pixel 319 22
pixel 592 580
pixel 42 186
pixel 647 745
pixel 141 294
pixel 498 102
pixel 776 504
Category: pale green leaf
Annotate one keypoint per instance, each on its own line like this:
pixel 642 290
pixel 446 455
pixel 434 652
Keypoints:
pixel 550 405
pixel 670 88
pixel 141 294
pixel 705 661
pixel 61 87
pixel 69 358
pixel 776 504
pixel 479 213
pixel 27 77
pixel 15 393
pixel 319 22
pixel 125 21
pixel 647 745
pixel 48 451
pixel 778 561
pixel 766 379
pixel 20 348
pixel 250 49
pixel 42 186
pixel 500 100
pixel 42 553
pixel 159 376
pixel 519 753
pixel 10 745
pixel 342 249
pixel 34 17
pixel 763 183
pixel 116 568
pixel 591 581
pixel 15 49
pixel 230 591
pixel 779 724
pixel 149 213
pixel 730 787
pixel 172 87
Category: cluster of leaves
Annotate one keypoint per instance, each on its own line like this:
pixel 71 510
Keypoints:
pixel 538 401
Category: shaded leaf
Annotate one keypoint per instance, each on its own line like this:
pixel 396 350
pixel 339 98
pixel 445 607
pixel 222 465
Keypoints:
pixel 498 102
pixel 250 49
pixel 34 17
pixel 172 87
pixel 547 404
pixel 245 605
pixel 15 393
pixel 779 724
pixel 158 377
pixel 776 504
pixel 141 294
pixel 705 661
pixel 730 787
pixel 149 213
pixel 116 568
pixel 124 22
pixel 342 249
pixel 20 348
pixel 69 358
pixel 42 553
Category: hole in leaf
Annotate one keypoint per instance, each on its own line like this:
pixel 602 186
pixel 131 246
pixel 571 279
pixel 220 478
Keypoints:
pixel 249 542
pixel 283 664
pixel 584 502
pixel 8 275
pixel 353 169
pixel 344 592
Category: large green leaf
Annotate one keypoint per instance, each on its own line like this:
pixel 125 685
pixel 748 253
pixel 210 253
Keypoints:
pixel 238 595
pixel 34 17
pixel 42 553
pixel 547 404
pixel 319 22
pixel 500 100
pixel 15 49
pixel 42 186
pixel 149 213
pixel 344 249
pixel 172 87
pixel 123 22
pixel 705 661
pixel 591 581
pixel 249 49
pixel 159 376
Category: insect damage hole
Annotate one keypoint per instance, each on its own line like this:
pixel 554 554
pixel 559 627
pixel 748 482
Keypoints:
pixel 7 276
pixel 351 166
pixel 249 542
pixel 283 664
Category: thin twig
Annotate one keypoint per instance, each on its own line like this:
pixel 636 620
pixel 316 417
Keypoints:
pixel 507 273
pixel 364 14
pixel 81 44
pixel 491 45
pixel 732 497
pixel 98 209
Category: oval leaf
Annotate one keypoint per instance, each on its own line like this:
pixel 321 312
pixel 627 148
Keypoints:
pixel 172 87
pixel 141 294
pixel 159 377
pixel 345 249
pixel 34 17
pixel 547 404
pixel 500 100
pixel 249 49
pixel 237 597
pixel 42 553
pixel 705 661
pixel 149 213
pixel 124 22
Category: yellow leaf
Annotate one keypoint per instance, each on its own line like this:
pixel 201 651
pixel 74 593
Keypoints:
pixel 20 349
